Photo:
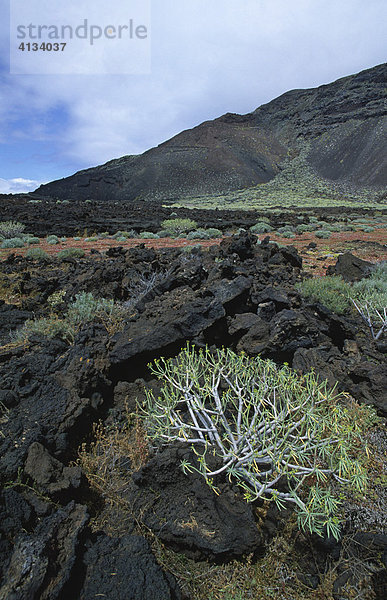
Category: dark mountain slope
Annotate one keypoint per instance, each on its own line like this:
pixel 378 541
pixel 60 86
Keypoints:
pixel 338 130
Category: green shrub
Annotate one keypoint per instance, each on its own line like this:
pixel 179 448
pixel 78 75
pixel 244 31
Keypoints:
pixel 11 229
pixel 288 234
pixel 190 248
pixel 198 234
pixel 333 292
pixel 261 227
pixel 47 326
pixel 77 238
pixel 36 254
pixel 286 229
pixel 164 233
pixel 259 424
pixel 12 243
pixel 212 232
pixel 367 229
pixel 369 296
pixel 131 234
pixel 32 240
pixel 323 234
pixel 52 239
pixel 93 238
pixel 333 227
pixel 148 235
pixel 71 253
pixel 177 226
pixel 125 234
pixel 86 308
pixel 121 239
pixel 303 228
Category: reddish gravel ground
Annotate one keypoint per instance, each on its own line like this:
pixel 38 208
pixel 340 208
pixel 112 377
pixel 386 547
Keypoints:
pixel 368 246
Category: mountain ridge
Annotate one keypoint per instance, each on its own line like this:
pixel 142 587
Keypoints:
pixel 339 130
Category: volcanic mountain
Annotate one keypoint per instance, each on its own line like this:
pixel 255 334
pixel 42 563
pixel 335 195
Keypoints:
pixel 336 131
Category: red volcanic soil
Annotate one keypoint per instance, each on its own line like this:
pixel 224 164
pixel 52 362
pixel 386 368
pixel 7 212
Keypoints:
pixel 104 244
pixel 368 246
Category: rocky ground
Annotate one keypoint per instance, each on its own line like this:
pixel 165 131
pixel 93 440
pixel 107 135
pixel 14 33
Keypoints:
pixel 44 216
pixel 89 510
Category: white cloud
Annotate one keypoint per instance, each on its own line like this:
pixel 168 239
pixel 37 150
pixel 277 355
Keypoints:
pixel 18 185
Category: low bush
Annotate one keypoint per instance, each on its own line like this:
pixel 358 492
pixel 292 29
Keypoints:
pixel 178 226
pixel 52 239
pixel 323 234
pixel 125 234
pixel 12 243
pixel 164 233
pixel 30 239
pixel 286 229
pixel 288 234
pixel 257 424
pixel 36 254
pixel 369 296
pixel 11 229
pixel 213 233
pixel 198 234
pixel 148 235
pixel 333 227
pixel 261 227
pixel 303 228
pixel 84 309
pixel 93 238
pixel 71 253
pixel 333 292
pixel 49 327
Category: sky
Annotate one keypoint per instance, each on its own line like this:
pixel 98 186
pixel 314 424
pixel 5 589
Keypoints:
pixel 207 57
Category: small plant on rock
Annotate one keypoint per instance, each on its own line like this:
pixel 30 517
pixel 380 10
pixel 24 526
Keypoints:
pixel 333 292
pixel 280 436
pixel 49 327
pixel 86 307
pixel 369 297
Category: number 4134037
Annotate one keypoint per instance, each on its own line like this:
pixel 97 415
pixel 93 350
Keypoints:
pixel 43 46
